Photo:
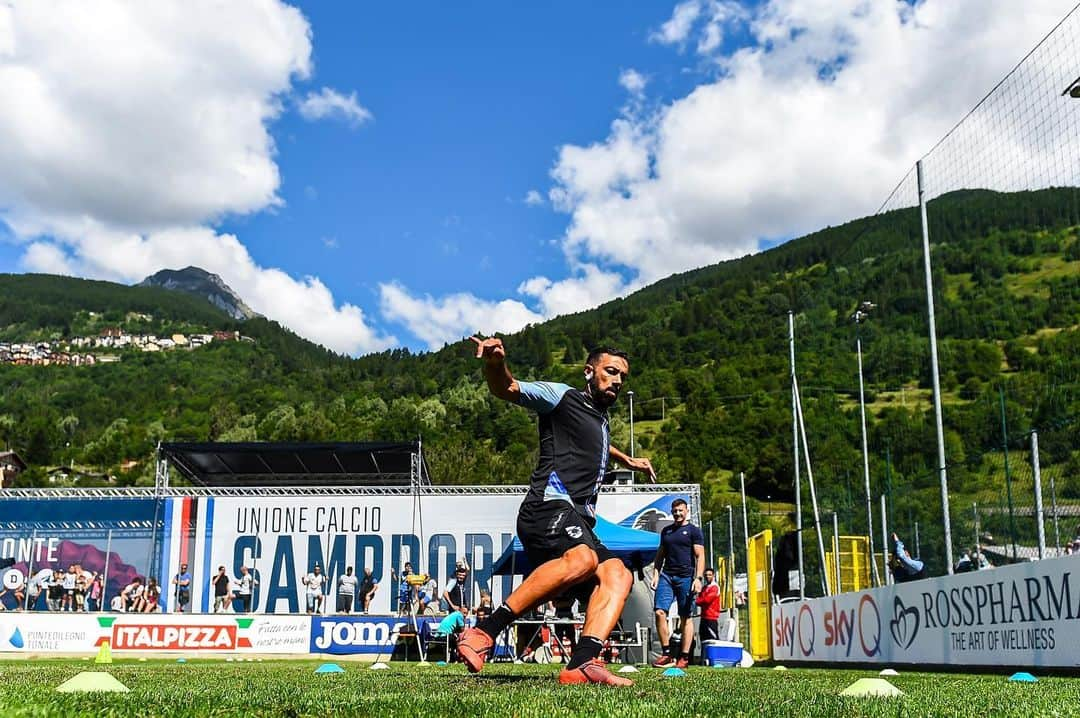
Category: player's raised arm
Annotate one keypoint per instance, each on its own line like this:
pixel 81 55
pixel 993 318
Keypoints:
pixel 639 463
pixel 499 379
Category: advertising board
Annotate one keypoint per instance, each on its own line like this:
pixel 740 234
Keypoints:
pixel 359 635
pixel 1021 615
pixel 84 633
pixel 280 538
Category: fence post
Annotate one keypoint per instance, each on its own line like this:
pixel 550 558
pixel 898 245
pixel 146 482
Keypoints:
pixel 105 573
pixel 836 551
pixel 885 542
pixel 1054 510
pixel 1038 492
pixel 1008 474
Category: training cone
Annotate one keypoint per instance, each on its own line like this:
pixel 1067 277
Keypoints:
pixel 329 668
pixel 92 681
pixel 181 660
pixel 746 661
pixel 440 664
pixel 673 673
pixel 424 664
pixel 871 687
pixel 104 654
pixel 628 669
pixel 779 668
pixel 889 672
pixel 1023 677
pixel 380 666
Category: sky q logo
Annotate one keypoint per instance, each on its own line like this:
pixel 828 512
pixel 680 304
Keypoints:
pixel 844 628
pixel 796 630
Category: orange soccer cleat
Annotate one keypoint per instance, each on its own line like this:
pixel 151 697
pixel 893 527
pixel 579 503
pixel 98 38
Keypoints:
pixel 682 663
pixel 473 647
pixel 595 671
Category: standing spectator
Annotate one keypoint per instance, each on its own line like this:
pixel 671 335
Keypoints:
pixel 69 589
pixel 427 598
pixel 96 591
pixel 405 591
pixel 246 584
pixel 81 587
pixel 709 600
pixel 904 568
pixel 54 591
pixel 366 592
pixel 677 578
pixel 346 591
pixel 222 597
pixel 182 582
pixel 314 583
pixel 456 593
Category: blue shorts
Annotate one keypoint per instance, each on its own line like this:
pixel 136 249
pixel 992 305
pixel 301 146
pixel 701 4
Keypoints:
pixel 674 589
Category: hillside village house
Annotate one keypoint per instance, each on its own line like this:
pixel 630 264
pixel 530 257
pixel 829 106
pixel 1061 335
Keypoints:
pixel 11 465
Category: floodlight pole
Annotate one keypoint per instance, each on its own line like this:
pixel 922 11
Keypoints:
pixel 885 540
pixel 836 552
pixel 795 444
pixel 858 317
pixel 934 373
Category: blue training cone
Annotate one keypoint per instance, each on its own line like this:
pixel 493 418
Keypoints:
pixel 329 668
pixel 673 673
pixel 1023 677
pixel 181 660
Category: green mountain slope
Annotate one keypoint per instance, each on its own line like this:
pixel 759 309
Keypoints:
pixel 709 359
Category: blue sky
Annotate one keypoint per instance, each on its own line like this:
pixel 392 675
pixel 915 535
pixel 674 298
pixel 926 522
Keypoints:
pixel 359 172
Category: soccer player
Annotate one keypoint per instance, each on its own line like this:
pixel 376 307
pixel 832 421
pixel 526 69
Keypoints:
pixel 556 519
pixel 677 577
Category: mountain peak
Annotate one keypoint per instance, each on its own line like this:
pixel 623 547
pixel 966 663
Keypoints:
pixel 201 283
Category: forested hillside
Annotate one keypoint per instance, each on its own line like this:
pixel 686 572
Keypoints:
pixel 709 357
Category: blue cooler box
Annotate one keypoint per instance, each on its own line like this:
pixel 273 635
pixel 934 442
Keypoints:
pixel 722 654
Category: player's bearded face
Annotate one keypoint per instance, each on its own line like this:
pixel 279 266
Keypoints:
pixel 607 379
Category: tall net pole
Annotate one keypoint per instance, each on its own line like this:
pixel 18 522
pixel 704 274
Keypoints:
pixel 934 373
pixel 795 448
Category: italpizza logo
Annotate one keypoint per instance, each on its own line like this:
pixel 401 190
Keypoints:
pixel 174 637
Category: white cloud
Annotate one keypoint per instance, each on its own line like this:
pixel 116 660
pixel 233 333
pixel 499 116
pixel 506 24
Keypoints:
pixel 798 131
pixel 678 27
pixel 448 319
pixel 128 129
pixel 633 81
pixel 708 17
pixel 533 198
pixel 328 102
pixel 585 289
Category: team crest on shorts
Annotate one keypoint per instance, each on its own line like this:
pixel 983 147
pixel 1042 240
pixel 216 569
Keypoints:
pixel 574 531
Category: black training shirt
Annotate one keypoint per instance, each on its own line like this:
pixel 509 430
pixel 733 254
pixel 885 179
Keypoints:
pixel 574 444
pixel 678 543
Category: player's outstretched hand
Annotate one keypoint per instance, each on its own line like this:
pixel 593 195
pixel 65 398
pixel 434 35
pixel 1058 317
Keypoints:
pixel 490 349
pixel 642 464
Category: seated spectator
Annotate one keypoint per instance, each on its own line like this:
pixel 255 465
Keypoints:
pixel 131 593
pixel 964 565
pixel 366 592
pixel 979 560
pixel 450 628
pixel 151 597
pixel 17 595
pixel 904 568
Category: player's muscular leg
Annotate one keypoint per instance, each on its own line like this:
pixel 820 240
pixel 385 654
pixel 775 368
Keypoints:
pixel 552 578
pixel 608 598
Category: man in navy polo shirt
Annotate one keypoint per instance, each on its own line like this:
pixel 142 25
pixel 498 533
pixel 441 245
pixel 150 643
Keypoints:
pixel 677 572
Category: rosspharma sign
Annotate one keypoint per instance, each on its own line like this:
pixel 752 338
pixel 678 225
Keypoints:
pixel 1022 615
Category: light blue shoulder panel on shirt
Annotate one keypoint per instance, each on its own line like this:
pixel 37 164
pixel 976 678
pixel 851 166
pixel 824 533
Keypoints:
pixel 541 396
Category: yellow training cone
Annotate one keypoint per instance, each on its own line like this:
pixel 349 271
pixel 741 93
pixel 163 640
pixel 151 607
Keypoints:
pixel 104 654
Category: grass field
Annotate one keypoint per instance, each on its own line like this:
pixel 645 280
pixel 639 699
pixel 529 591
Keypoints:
pixel 204 687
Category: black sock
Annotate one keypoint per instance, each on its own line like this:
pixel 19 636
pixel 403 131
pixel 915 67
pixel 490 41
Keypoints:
pixel 587 649
pixel 667 650
pixel 497 622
